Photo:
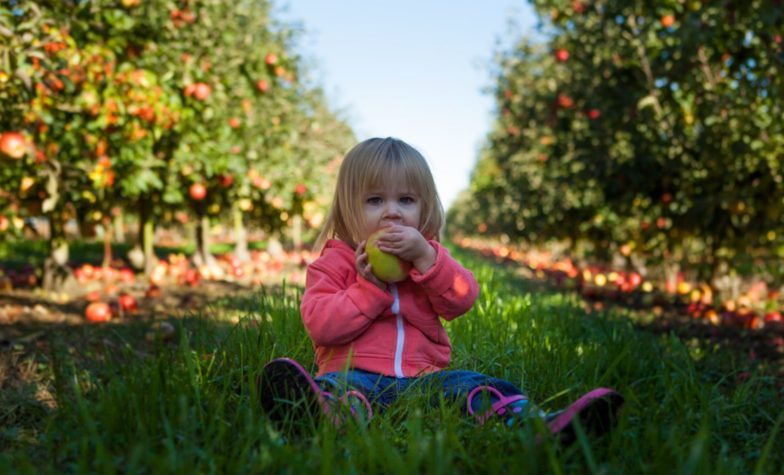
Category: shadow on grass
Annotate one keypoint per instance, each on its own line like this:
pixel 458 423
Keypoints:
pixel 43 365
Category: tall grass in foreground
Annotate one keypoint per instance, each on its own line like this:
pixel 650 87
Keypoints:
pixel 190 407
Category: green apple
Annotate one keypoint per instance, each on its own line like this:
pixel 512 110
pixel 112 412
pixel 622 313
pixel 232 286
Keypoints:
pixel 386 267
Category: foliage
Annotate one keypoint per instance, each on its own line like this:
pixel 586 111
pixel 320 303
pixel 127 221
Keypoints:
pixel 645 129
pixel 133 102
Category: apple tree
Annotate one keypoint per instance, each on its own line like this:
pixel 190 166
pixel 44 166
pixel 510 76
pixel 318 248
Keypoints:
pixel 644 126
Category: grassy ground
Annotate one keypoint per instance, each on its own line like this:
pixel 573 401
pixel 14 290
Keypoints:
pixel 107 399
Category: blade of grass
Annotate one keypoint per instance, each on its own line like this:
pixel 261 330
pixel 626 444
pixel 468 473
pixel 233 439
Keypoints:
pixel 768 445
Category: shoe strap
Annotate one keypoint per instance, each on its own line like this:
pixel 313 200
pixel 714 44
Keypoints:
pixel 498 408
pixel 361 397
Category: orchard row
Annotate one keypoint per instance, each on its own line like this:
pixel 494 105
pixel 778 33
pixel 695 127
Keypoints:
pixel 647 132
pixel 758 307
pixel 157 108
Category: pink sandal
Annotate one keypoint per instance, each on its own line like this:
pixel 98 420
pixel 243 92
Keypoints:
pixel 286 389
pixel 498 408
pixel 597 411
pixel 368 415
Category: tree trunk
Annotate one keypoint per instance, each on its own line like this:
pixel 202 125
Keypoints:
pixel 240 235
pixel 119 227
pixel 296 232
pixel 146 235
pixel 203 256
pixel 107 242
pixel 274 246
pixel 55 270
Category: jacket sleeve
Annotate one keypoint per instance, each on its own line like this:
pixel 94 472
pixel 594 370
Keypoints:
pixel 335 313
pixel 451 288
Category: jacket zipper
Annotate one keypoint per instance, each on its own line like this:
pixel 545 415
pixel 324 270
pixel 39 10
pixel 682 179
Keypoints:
pixel 401 334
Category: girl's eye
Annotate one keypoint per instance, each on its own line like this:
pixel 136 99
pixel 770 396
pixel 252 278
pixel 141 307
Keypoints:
pixel 374 200
pixel 407 200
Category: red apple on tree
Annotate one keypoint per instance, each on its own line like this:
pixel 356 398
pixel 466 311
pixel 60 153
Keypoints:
pixel 565 101
pixel 271 59
pixel 201 91
pixel 594 114
pixel 300 189
pixel 197 191
pixel 13 145
pixel 262 85
pixel 562 55
pixel 668 20
pixel 234 122
pixel 226 180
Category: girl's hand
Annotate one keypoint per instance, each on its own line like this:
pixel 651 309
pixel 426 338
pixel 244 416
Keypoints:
pixel 365 269
pixel 408 244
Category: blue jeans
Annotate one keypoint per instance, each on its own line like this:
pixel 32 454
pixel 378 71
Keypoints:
pixel 382 390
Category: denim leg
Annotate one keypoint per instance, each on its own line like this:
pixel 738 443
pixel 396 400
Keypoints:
pixel 455 385
pixel 379 389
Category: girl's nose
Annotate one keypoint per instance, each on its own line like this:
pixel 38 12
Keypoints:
pixel 391 210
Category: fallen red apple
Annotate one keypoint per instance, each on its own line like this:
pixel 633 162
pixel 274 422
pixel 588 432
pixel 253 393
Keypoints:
pixel 93 296
pixel 98 312
pixel 154 291
pixel 127 275
pixel 773 317
pixel 128 303
pixel 386 267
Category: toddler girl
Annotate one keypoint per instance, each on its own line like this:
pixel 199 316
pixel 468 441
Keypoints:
pixel 375 339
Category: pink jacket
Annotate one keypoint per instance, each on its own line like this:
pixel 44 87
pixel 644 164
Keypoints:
pixel 395 333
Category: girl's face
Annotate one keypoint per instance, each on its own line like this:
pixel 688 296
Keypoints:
pixel 394 203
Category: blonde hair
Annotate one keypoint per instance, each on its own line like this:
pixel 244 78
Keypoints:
pixel 367 166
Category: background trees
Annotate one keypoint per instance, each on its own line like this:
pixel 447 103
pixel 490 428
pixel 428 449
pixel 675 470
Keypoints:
pixel 168 110
pixel 643 130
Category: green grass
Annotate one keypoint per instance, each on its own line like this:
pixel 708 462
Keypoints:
pixel 190 407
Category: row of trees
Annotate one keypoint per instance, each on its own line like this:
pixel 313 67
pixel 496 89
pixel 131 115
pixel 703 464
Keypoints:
pixel 649 130
pixel 167 109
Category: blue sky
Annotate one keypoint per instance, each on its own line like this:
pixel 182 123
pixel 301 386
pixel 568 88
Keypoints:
pixel 412 69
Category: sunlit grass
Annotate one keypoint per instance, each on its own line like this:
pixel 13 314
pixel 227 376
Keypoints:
pixel 190 406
